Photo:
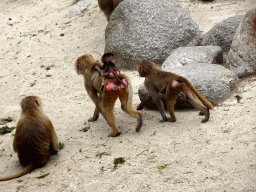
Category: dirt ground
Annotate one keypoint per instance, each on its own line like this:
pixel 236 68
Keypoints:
pixel 37 35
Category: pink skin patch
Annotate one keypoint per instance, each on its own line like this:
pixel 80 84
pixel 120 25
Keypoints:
pixel 177 84
pixel 125 82
pixel 111 84
pixel 112 75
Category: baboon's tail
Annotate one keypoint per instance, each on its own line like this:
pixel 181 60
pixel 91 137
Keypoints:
pixel 130 89
pixel 201 98
pixel 24 171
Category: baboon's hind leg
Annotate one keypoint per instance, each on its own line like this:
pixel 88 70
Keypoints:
pixel 193 99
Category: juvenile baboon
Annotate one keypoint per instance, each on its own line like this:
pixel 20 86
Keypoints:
pixel 170 84
pixel 104 100
pixel 35 138
pixel 109 71
pixel 108 6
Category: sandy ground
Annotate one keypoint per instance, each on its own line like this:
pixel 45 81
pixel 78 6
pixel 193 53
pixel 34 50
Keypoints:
pixel 182 156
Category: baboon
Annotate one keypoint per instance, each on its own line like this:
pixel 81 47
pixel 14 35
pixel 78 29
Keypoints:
pixel 170 84
pixel 104 100
pixel 35 138
pixel 109 71
pixel 108 6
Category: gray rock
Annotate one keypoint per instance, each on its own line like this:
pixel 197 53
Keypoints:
pixel 242 55
pixel 203 54
pixel 143 93
pixel 214 82
pixel 222 34
pixel 148 30
pixel 81 6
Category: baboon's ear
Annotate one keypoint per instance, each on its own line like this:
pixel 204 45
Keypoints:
pixel 141 68
pixel 79 65
pixel 37 103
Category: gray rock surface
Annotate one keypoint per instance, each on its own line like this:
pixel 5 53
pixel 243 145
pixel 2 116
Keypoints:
pixel 242 55
pixel 148 30
pixel 180 104
pixel 214 82
pixel 143 93
pixel 222 34
pixel 81 6
pixel 202 54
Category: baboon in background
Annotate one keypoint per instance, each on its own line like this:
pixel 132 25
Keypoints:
pixel 108 6
pixel 35 138
pixel 105 101
pixel 170 84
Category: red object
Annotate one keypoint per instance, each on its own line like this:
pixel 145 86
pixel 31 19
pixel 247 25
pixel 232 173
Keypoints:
pixel 110 85
pixel 112 75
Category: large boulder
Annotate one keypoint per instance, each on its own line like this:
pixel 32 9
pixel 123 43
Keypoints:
pixel 222 34
pixel 148 30
pixel 213 81
pixel 202 54
pixel 242 55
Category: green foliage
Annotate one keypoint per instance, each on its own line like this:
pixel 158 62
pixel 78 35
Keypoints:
pixel 43 176
pixel 6 129
pixel 161 167
pixel 142 152
pixel 5 120
pixel 49 67
pixel 85 129
pixel 61 145
pixel 201 113
pixel 101 154
pixel 119 160
pixel 238 97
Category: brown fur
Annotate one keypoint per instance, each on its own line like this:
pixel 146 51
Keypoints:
pixel 254 26
pixel 170 84
pixel 105 101
pixel 35 138
pixel 108 6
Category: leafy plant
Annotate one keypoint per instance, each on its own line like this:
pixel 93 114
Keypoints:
pixel 6 129
pixel 61 145
pixel 117 161
pixel 85 129
pixel 43 176
pixel 161 167
pixel 201 113
pixel 238 97
pixel 5 120
pixel 101 154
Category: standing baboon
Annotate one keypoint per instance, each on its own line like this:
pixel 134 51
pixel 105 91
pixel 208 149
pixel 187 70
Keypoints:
pixel 105 101
pixel 170 84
